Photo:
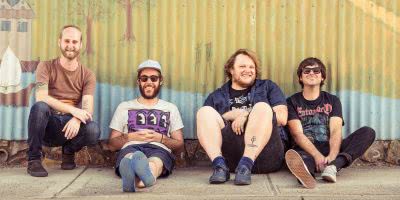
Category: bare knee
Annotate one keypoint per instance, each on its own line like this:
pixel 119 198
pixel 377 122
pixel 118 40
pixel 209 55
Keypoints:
pixel 208 113
pixel 156 166
pixel 205 112
pixel 262 108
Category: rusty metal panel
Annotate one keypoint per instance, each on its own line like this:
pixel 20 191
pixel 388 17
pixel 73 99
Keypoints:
pixel 358 40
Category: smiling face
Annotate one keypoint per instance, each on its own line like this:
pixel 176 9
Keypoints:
pixel 149 82
pixel 243 72
pixel 311 76
pixel 70 43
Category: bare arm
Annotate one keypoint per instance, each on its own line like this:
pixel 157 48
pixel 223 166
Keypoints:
pixel 175 142
pixel 117 139
pixel 296 130
pixel 281 113
pixel 42 94
pixel 88 103
pixel 233 114
pixel 335 140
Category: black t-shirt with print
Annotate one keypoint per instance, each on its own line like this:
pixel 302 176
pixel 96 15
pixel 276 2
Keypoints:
pixel 239 99
pixel 314 115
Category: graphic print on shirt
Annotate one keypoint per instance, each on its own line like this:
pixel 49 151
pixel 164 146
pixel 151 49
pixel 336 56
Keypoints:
pixel 315 121
pixel 152 119
pixel 240 100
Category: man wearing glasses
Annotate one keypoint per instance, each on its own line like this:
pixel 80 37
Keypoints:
pixel 315 122
pixel 146 130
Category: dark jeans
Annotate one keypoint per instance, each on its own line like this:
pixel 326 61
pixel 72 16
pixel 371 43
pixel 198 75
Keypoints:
pixel 45 128
pixel 351 148
pixel 269 160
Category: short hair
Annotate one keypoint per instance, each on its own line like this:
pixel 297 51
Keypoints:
pixel 311 62
pixel 69 26
pixel 231 61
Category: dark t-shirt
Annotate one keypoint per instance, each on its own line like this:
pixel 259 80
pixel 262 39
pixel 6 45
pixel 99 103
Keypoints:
pixel 240 99
pixel 314 115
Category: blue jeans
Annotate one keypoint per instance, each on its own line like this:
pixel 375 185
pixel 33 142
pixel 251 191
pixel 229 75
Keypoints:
pixel 45 128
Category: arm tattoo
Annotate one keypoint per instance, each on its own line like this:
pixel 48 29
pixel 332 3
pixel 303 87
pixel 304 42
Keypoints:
pixel 253 139
pixel 41 86
pixel 85 104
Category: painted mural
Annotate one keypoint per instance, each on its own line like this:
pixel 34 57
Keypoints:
pixel 358 41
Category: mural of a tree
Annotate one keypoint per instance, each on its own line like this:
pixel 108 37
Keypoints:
pixel 128 6
pixel 91 10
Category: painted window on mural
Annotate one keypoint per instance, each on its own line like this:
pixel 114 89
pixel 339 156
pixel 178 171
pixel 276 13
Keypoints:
pixel 5 26
pixel 22 27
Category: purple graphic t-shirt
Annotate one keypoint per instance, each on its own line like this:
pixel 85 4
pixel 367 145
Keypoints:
pixel 131 116
pixel 152 119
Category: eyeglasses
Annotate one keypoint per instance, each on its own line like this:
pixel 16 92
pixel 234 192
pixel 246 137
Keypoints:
pixel 153 78
pixel 316 70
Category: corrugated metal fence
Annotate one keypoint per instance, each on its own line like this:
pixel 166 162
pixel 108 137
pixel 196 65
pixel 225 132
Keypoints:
pixel 358 40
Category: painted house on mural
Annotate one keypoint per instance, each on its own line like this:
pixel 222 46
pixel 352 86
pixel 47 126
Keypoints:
pixel 16 27
pixel 15 49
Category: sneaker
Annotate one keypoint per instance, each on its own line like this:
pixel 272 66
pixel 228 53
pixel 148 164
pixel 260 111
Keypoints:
pixel 243 175
pixel 220 175
pixel 299 169
pixel 36 169
pixel 68 162
pixel 329 173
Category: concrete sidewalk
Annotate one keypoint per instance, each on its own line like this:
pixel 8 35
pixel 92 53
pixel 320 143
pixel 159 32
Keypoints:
pixel 192 183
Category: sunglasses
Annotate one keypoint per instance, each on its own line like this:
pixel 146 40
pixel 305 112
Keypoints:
pixel 153 78
pixel 316 70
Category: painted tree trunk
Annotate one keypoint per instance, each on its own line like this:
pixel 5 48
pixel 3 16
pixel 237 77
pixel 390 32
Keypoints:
pixel 89 21
pixel 128 33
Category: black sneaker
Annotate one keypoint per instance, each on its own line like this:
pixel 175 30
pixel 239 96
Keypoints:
pixel 243 175
pixel 220 175
pixel 68 161
pixel 36 169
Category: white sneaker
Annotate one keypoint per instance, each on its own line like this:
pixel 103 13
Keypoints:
pixel 329 173
pixel 299 169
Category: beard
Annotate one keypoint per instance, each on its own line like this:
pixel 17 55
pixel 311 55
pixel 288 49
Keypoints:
pixel 66 54
pixel 149 96
pixel 243 84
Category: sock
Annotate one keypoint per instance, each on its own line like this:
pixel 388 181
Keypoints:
pixel 140 165
pixel 219 161
pixel 246 161
pixel 127 175
pixel 339 162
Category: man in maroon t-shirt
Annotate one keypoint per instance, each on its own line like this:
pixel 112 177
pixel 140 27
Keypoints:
pixel 62 114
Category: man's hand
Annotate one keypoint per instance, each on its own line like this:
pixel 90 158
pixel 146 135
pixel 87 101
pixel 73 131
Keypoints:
pixel 330 158
pixel 71 129
pixel 238 124
pixel 320 162
pixel 145 135
pixel 82 115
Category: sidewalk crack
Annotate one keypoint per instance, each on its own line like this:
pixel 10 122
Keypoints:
pixel 272 188
pixel 70 183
